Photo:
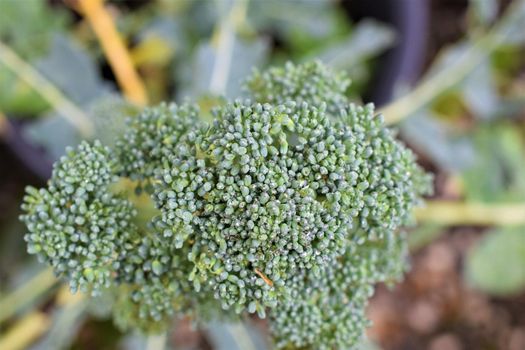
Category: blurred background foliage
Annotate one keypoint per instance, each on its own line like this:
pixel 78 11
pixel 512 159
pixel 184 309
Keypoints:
pixel 61 81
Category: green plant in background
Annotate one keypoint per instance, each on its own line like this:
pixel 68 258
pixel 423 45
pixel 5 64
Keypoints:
pixel 497 263
pixel 285 205
pixel 15 96
pixel 472 129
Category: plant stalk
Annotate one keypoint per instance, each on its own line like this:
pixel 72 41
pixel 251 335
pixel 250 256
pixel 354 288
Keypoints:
pixel 116 52
pixel 26 294
pixel 431 88
pixel 68 110
pixel 461 213
pixel 156 342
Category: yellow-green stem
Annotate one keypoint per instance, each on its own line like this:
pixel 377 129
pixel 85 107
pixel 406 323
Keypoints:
pixel 461 213
pixel 67 109
pixel 156 342
pixel 26 294
pixel 447 78
pixel 27 330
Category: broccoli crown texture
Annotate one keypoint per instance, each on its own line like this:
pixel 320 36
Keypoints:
pixel 155 287
pixel 150 138
pixel 75 224
pixel 260 193
pixel 310 82
pixel 288 204
pixel 327 311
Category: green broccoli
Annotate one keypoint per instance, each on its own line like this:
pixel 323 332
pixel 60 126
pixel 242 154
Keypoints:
pixel 75 224
pixel 312 82
pixel 288 204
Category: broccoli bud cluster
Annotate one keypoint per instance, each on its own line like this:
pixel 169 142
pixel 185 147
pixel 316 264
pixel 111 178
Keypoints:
pixel 75 224
pixel 312 82
pixel 327 311
pixel 288 204
pixel 150 138
pixel 261 194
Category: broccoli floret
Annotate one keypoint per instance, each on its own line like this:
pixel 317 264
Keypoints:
pixel 311 82
pixel 75 224
pixel 266 191
pixel 154 287
pixel 254 207
pixel 327 311
pixel 150 137
pixel 289 205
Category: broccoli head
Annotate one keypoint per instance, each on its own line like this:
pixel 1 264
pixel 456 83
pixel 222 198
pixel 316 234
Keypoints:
pixel 290 204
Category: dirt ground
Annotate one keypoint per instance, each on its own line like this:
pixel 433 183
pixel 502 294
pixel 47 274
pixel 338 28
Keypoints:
pixel 434 308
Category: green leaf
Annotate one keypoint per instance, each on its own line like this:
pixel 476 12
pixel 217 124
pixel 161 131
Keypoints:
pixel 514 25
pixel 497 172
pixel 315 19
pixel 66 322
pixel 27 27
pixel 480 92
pixel 16 97
pixel 53 133
pixel 163 38
pixel 73 71
pixel 367 39
pixel 483 11
pixel 497 264
pixel 438 141
pixel 244 56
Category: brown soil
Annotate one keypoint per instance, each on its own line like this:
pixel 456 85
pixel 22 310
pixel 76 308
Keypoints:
pixel 434 308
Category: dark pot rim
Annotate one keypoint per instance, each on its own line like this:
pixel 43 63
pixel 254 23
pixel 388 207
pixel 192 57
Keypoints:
pixel 401 65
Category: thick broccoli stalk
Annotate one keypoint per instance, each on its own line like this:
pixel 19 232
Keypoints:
pixel 290 205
